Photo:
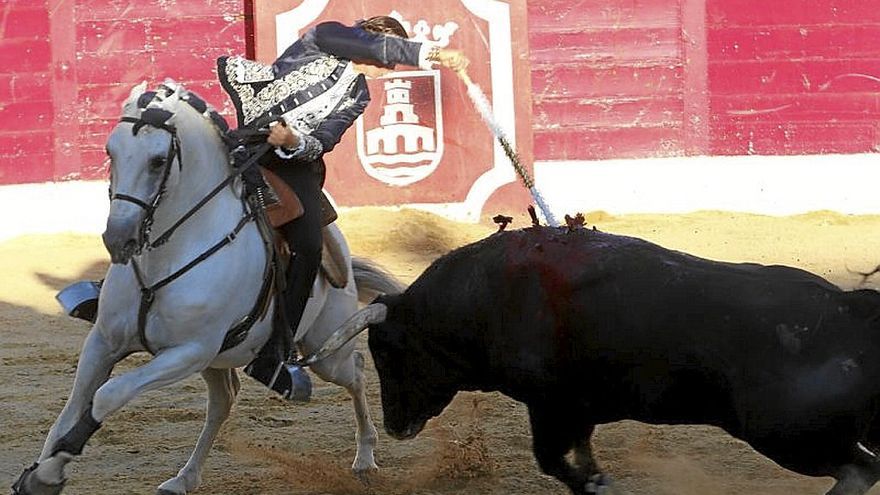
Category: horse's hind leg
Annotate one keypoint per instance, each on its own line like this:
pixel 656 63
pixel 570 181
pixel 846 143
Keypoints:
pixel 223 386
pixel 349 373
pixel 96 361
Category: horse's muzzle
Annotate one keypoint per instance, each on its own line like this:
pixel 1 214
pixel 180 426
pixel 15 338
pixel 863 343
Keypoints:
pixel 122 238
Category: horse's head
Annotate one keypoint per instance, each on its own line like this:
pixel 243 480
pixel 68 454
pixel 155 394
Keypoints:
pixel 145 161
pixel 141 148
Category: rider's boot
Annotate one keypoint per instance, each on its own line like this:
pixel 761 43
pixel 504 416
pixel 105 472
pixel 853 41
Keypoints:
pixel 305 238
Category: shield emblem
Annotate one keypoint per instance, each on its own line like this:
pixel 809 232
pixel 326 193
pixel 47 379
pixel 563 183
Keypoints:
pixel 400 135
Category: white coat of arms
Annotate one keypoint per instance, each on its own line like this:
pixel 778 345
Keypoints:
pixel 403 143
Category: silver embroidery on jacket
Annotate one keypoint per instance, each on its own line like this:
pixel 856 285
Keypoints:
pixel 309 114
pixel 254 105
pixel 248 71
pixel 312 150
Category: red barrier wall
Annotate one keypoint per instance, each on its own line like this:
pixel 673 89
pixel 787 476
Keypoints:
pixel 609 79
pixel 648 78
pixel 64 75
pixel 794 77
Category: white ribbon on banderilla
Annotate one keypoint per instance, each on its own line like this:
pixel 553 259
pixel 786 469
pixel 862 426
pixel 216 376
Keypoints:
pixel 481 103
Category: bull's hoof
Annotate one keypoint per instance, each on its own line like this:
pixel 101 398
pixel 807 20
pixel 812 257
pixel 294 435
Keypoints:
pixel 29 484
pixel 599 484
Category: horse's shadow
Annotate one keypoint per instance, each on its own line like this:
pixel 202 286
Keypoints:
pixel 95 271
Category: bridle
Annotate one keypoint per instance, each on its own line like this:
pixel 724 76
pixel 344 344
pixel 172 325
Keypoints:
pixel 153 117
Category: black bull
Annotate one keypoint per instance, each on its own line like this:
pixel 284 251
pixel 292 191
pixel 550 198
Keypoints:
pixel 586 328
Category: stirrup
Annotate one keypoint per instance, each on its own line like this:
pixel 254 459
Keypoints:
pixel 300 382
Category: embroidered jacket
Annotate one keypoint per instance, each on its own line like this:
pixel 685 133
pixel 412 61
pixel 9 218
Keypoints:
pixel 313 85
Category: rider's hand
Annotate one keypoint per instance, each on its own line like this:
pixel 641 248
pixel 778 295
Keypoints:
pixel 452 59
pixel 281 135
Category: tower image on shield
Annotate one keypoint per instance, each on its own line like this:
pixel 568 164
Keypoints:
pixel 399 123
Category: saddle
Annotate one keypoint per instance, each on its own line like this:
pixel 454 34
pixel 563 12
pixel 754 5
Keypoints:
pixel 289 208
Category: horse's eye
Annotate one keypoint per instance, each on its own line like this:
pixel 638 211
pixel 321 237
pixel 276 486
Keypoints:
pixel 157 163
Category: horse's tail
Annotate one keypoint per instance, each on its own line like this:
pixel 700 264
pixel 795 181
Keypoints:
pixel 372 280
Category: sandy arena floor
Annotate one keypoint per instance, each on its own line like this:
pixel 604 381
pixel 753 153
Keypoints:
pixel 480 445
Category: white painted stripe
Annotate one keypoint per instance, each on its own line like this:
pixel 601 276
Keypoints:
pixel 289 24
pixel 773 185
pixel 497 14
pixel 53 207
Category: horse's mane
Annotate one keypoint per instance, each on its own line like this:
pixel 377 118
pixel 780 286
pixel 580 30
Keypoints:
pixel 161 97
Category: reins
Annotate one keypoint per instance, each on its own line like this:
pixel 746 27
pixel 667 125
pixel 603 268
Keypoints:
pixel 258 152
pixel 156 118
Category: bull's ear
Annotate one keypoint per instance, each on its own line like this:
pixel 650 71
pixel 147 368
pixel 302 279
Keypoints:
pixel 864 303
pixel 391 301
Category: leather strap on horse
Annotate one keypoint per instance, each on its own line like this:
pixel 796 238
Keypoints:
pixel 259 151
pixel 239 331
pixel 148 294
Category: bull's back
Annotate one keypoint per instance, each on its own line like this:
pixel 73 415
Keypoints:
pixel 652 333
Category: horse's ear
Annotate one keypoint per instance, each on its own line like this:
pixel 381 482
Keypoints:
pixel 173 98
pixel 137 91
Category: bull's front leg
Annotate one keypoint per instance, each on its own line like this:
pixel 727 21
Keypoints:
pixel 558 429
pixel 552 439
pixel 75 425
pixel 857 477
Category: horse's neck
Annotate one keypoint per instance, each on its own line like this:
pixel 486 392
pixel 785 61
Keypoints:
pixel 204 165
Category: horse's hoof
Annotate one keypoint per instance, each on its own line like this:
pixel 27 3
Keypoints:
pixel 365 475
pixel 176 486
pixel 29 484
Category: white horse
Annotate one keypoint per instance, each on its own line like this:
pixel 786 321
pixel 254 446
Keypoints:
pixel 160 169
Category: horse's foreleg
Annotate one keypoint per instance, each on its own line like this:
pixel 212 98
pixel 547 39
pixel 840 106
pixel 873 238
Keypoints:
pixel 169 366
pixel 223 386
pixel 96 361
pixel 350 375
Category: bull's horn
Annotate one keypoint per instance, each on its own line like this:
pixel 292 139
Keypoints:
pixel 374 313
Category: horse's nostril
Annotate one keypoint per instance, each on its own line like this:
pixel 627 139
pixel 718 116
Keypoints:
pixel 130 248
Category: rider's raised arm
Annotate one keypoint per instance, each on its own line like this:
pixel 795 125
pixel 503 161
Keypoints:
pixel 356 43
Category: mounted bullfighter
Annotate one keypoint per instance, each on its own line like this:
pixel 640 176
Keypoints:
pixel 586 328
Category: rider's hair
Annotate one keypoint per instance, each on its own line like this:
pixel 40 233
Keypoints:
pixel 383 24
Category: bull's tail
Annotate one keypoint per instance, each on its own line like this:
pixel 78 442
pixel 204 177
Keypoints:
pixel 372 280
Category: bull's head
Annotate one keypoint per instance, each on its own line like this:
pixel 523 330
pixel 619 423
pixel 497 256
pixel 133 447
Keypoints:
pixel 416 384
